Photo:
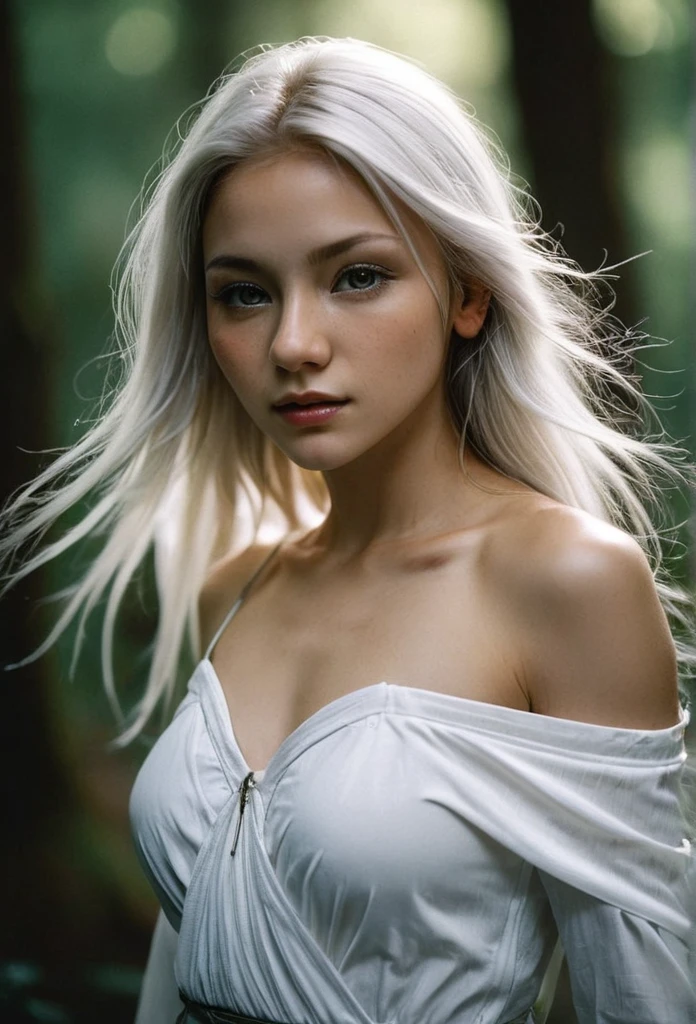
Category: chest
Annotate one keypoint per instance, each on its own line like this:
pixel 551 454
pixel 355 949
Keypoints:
pixel 295 646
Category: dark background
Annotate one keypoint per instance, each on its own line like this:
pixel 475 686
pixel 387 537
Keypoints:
pixel 593 101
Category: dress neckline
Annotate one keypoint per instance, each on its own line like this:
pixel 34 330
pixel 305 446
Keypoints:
pixel 518 727
pixel 594 739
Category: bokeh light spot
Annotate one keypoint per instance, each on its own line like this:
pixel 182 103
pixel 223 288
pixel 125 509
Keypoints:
pixel 656 173
pixel 631 28
pixel 464 43
pixel 140 41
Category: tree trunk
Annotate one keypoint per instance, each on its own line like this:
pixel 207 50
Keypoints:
pixel 567 98
pixel 56 908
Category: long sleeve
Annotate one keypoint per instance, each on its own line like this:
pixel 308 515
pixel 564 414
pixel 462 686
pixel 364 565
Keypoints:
pixel 623 968
pixel 159 1001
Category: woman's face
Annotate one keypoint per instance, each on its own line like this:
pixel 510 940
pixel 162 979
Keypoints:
pixel 310 288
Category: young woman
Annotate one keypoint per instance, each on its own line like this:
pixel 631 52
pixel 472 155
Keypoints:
pixel 442 736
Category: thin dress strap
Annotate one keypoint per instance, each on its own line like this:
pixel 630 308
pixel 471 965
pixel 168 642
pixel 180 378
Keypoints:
pixel 243 593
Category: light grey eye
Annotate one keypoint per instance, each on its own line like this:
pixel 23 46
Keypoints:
pixel 242 295
pixel 360 278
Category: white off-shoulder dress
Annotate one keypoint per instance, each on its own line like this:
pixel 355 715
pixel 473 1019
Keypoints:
pixel 411 857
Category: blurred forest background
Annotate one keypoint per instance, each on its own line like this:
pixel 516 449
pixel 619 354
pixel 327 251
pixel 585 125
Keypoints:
pixel 593 99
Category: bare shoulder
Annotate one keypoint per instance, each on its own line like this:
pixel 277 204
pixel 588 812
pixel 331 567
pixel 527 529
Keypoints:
pixel 223 585
pixel 594 641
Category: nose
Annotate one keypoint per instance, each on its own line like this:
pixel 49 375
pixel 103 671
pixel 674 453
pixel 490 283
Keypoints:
pixel 301 335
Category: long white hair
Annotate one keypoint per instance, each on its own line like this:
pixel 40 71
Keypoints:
pixel 539 394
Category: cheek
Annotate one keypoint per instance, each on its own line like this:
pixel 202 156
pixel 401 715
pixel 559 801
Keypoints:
pixel 229 351
pixel 222 352
pixel 234 369
pixel 411 344
pixel 214 330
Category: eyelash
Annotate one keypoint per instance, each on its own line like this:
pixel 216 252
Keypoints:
pixel 229 290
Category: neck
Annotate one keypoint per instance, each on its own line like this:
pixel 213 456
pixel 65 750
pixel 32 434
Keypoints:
pixel 407 487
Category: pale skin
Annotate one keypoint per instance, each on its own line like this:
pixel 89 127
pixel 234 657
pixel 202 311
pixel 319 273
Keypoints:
pixel 471 584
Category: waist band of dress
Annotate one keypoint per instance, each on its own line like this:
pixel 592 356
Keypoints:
pixel 201 1014
pixel 197 1013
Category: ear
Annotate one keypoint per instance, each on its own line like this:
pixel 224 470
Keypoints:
pixel 470 309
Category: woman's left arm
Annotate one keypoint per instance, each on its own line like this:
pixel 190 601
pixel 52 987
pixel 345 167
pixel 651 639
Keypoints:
pixel 623 969
pixel 598 649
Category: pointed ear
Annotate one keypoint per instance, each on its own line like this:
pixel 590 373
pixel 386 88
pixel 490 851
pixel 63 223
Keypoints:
pixel 470 310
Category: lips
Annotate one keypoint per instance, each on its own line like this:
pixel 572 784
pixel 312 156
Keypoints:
pixel 310 414
pixel 309 397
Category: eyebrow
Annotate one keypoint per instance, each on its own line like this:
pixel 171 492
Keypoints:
pixel 314 258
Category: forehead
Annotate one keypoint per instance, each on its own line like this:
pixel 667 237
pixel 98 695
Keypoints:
pixel 292 164
pixel 306 194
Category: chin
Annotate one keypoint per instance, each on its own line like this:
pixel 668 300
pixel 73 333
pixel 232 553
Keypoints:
pixel 320 462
